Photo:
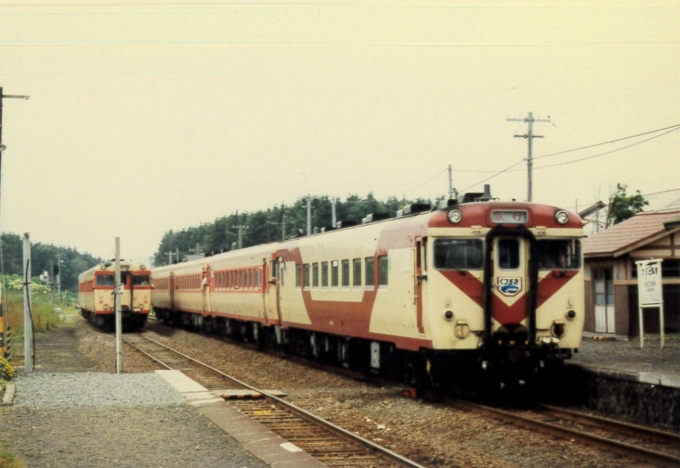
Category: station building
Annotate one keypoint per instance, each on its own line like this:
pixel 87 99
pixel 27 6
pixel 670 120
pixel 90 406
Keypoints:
pixel 611 273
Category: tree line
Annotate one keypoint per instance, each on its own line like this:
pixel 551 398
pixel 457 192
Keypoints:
pixel 46 257
pixel 270 225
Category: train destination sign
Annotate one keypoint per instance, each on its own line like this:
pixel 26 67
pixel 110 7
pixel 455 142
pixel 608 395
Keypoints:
pixel 509 217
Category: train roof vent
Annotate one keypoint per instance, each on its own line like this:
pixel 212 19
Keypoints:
pixel 447 203
pixel 476 196
pixel 373 217
pixel 414 208
pixel 344 224
pixel 328 228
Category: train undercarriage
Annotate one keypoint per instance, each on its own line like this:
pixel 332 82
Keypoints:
pixel 107 322
pixel 488 372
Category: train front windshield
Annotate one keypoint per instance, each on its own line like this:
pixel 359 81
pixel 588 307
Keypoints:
pixel 468 254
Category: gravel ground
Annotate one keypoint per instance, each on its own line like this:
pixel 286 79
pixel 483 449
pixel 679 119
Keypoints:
pixel 432 434
pixel 74 419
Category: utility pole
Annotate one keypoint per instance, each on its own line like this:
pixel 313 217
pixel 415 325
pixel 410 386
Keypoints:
pixel 28 320
pixel 453 193
pixel 529 136
pixel 333 219
pixel 309 215
pixel 118 290
pixel 240 228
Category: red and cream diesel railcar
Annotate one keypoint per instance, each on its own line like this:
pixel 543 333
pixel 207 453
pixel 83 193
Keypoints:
pixel 489 287
pixel 96 297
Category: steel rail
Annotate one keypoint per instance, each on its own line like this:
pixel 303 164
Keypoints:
pixel 628 428
pixel 395 457
pixel 636 452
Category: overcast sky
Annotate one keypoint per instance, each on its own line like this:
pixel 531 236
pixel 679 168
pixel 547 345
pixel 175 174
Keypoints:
pixel 146 116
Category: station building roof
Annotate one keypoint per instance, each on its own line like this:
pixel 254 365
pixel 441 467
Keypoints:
pixel 632 234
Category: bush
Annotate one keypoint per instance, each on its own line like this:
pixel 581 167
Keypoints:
pixel 6 370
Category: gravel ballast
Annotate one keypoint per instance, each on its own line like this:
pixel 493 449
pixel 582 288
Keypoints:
pixel 98 419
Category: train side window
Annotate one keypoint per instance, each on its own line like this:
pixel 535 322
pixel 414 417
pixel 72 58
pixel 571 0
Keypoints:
pixel 298 276
pixel 335 274
pixel 315 277
pixel 356 273
pixel 307 275
pixel 282 273
pixel 369 263
pixel 458 254
pixel 345 274
pixel 558 254
pixel 324 275
pixel 383 267
pixel 508 254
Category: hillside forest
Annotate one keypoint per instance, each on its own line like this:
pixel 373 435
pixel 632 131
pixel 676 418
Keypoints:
pixel 272 224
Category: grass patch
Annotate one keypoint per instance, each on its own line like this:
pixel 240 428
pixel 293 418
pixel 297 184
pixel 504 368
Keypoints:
pixel 8 460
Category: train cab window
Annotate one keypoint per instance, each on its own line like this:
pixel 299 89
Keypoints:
pixel 383 267
pixel 315 275
pixel 105 280
pixel 140 280
pixel 356 273
pixel 369 263
pixel 335 274
pixel 559 254
pixel 458 254
pixel 345 274
pixel 508 254
pixel 324 275
pixel 307 275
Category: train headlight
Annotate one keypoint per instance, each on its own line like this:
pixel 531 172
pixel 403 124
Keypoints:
pixel 448 315
pixel 562 217
pixel 571 315
pixel 455 216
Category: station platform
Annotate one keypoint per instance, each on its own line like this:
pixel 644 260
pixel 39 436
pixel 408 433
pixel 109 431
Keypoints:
pixel 255 437
pixel 624 359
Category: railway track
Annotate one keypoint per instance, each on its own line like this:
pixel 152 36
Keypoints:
pixel 648 445
pixel 326 442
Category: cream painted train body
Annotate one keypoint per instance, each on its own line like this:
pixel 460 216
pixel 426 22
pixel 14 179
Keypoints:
pixel 433 297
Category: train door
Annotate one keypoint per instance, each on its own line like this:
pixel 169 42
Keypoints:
pixel 509 281
pixel 206 284
pixel 275 283
pixel 419 277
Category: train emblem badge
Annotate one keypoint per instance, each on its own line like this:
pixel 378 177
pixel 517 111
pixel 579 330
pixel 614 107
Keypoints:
pixel 509 286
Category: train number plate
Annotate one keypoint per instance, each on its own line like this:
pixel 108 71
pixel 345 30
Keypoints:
pixel 509 216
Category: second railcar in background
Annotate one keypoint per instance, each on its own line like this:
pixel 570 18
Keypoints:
pixel 96 295
pixel 473 291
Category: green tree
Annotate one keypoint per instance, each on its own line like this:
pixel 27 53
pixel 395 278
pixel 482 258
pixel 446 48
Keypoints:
pixel 623 206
